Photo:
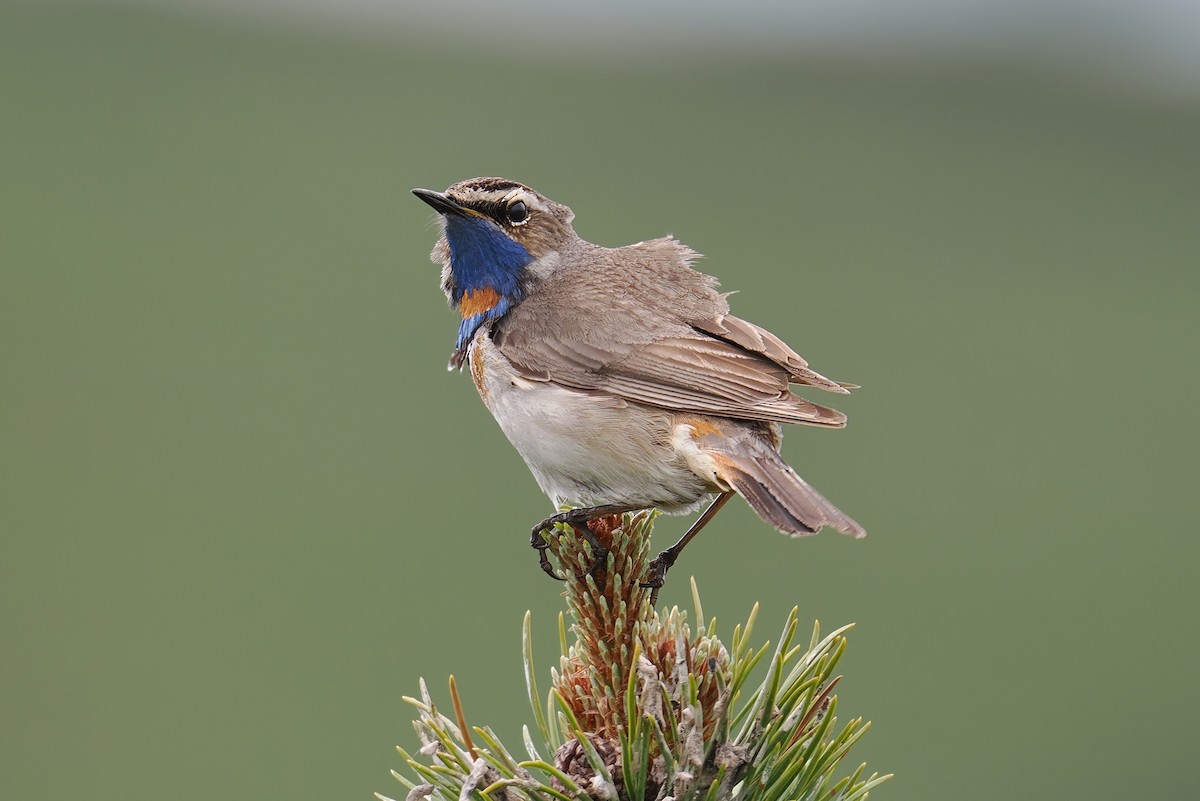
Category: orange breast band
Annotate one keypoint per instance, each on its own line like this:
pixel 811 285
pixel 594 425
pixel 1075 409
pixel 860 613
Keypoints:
pixel 478 302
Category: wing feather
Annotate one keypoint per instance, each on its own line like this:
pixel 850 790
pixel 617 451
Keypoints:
pixel 759 340
pixel 662 336
pixel 695 374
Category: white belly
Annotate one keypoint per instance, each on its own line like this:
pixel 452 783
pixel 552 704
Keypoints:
pixel 586 449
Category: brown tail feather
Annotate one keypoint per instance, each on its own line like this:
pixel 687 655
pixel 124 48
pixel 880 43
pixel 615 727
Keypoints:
pixel 779 496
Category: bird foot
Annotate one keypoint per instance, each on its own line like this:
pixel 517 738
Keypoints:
pixel 577 522
pixel 656 573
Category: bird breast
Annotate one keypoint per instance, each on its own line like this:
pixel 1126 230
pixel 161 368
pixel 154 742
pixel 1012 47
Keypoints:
pixel 584 448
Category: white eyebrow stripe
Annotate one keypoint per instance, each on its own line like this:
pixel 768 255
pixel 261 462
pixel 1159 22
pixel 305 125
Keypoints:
pixel 502 197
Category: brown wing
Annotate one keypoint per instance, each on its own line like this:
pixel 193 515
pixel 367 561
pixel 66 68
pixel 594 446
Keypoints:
pixel 759 340
pixel 697 373
pixel 711 376
pixel 640 324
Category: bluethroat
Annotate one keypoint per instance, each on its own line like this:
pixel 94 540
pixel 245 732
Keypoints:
pixel 619 374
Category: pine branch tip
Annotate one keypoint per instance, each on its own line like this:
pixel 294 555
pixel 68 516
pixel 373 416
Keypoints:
pixel 647 704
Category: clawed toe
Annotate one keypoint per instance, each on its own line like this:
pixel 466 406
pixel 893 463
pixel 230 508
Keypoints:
pixel 544 563
pixel 600 558
pixel 539 543
pixel 600 553
pixel 656 573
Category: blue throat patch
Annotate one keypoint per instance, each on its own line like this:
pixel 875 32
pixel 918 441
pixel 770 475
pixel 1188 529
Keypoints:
pixel 487 266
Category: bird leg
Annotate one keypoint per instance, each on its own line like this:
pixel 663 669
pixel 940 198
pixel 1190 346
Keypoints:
pixel 578 520
pixel 659 565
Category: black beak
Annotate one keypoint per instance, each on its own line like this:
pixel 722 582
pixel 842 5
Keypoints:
pixel 441 202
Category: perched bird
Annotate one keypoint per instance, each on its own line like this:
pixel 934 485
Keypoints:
pixel 618 373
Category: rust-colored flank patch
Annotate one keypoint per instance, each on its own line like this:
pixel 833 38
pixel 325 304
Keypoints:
pixel 702 428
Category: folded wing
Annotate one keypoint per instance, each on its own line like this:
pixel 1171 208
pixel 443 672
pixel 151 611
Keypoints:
pixel 666 340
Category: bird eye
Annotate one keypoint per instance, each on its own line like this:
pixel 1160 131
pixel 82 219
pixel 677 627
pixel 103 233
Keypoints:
pixel 517 213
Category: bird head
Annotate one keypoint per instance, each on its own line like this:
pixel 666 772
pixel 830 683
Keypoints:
pixel 498 237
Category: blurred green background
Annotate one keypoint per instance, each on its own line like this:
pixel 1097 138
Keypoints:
pixel 245 507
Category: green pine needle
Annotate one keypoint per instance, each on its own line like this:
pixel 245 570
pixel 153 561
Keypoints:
pixel 642 709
